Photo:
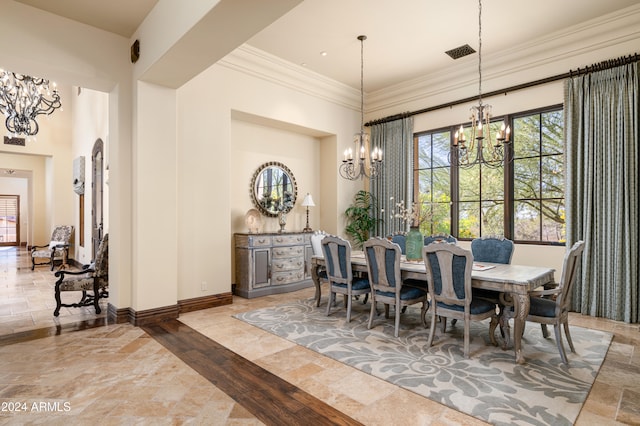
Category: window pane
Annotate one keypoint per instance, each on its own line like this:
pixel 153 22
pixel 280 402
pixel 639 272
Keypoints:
pixel 527 220
pixel 469 184
pixel 441 189
pixel 526 136
pixel 552 177
pixel 441 219
pixel 492 218
pixel 492 183
pixel 552 132
pixel 553 221
pixel 424 184
pixel 469 220
pixel 441 149
pixel 526 176
pixel 424 151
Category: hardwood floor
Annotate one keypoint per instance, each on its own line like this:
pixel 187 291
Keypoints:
pixel 267 396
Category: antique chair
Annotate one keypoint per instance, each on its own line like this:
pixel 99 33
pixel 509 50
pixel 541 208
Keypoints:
pixel 337 255
pixel 435 238
pixel 92 281
pixel 383 266
pixel 492 249
pixel 400 238
pixel 316 246
pixel 440 238
pixel 57 249
pixel 551 306
pixel 449 274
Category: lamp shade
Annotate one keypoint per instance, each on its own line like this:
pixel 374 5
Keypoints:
pixel 308 201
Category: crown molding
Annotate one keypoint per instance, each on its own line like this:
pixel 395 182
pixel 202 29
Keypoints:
pixel 608 37
pixel 260 64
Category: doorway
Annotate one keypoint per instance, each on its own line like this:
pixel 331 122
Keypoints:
pixel 9 220
pixel 97 161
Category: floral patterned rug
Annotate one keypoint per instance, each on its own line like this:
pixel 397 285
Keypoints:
pixel 488 386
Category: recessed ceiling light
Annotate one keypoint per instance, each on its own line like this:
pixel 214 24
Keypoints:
pixel 323 53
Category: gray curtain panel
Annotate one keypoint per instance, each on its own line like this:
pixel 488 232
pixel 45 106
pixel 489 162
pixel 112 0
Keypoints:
pixel 396 140
pixel 602 130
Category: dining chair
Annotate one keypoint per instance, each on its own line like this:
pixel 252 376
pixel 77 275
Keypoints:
pixel 337 255
pixel 316 247
pixel 383 267
pixel 492 249
pixel 551 306
pixel 435 238
pixel 448 269
pixel 400 238
pixel 440 238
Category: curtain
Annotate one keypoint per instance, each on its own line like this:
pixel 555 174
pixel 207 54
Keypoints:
pixel 602 134
pixel 395 184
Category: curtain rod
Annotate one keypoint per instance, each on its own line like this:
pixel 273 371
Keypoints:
pixel 611 63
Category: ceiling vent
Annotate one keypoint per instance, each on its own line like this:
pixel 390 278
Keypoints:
pixel 461 51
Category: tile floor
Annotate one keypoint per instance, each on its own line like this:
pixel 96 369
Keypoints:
pixel 117 374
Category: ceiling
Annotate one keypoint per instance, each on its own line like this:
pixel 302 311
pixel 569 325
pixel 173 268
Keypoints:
pixel 405 39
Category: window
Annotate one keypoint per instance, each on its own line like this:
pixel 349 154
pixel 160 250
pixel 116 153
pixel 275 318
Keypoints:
pixel 524 200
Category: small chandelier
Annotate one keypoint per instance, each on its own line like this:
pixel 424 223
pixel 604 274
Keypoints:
pixel 350 169
pixel 23 98
pixel 487 151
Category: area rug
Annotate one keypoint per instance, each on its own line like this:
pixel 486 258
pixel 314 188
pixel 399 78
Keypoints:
pixel 488 386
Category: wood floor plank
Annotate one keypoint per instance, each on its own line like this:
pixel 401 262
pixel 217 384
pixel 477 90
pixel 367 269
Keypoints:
pixel 271 399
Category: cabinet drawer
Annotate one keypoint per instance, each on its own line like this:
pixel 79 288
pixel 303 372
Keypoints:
pixel 259 241
pixel 287 240
pixel 287 264
pixel 286 277
pixel 284 252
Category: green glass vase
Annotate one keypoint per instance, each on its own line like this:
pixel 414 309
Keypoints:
pixel 415 242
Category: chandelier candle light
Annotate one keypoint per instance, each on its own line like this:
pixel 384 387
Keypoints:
pixel 488 152
pixel 350 169
pixel 23 98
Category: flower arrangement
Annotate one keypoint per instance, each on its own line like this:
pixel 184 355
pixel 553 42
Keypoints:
pixel 281 205
pixel 414 215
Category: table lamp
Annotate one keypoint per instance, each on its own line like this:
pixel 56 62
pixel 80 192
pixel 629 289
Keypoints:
pixel 308 202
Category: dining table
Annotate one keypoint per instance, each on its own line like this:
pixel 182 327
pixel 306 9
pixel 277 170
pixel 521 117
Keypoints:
pixel 514 281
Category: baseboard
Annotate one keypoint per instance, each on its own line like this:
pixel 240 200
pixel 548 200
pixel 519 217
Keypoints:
pixel 149 316
pixel 205 302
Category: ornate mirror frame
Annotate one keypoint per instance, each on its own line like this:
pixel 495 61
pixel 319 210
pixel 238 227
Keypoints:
pixel 273 189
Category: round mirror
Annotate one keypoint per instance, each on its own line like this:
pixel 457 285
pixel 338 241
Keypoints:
pixel 274 189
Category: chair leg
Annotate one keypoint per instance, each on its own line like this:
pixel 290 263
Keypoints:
pixel 444 324
pixel 568 336
pixel 432 332
pixel 332 297
pixel 492 330
pixel 423 313
pixel 348 300
pixel 467 332
pixel 372 311
pixel 558 332
pixel 545 331
pixel 397 313
pixel 58 302
pixel 96 297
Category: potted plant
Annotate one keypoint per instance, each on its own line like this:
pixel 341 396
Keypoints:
pixel 360 220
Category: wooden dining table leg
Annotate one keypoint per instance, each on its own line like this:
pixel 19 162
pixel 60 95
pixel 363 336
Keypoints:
pixel 521 306
pixel 316 281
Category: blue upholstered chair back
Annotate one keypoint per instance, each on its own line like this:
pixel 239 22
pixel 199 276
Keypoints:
pixel 337 255
pixel 428 239
pixel 492 249
pixel 383 263
pixel 449 272
pixel 401 240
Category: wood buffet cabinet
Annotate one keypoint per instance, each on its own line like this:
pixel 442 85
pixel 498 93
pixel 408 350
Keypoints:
pixel 272 263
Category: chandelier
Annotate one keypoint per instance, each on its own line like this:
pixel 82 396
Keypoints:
pixel 23 98
pixel 487 151
pixel 357 169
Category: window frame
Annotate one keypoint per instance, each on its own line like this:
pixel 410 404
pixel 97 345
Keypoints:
pixel 509 178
